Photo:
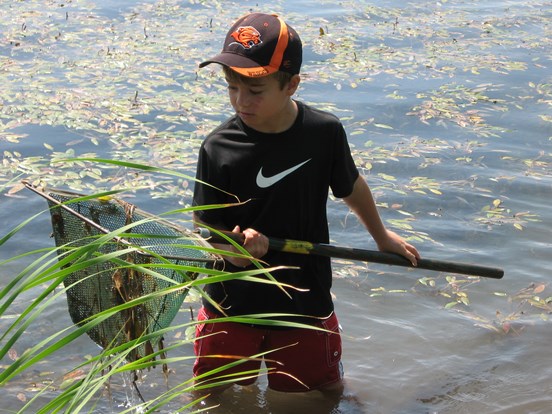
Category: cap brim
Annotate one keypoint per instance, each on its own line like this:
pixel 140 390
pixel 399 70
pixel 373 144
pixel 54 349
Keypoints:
pixel 241 65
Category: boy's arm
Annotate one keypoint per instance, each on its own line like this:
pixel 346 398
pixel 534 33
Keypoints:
pixel 362 203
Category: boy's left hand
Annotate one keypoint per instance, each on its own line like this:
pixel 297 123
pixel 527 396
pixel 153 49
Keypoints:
pixel 396 244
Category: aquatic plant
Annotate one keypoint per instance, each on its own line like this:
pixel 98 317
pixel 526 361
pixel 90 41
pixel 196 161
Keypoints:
pixel 44 282
pixel 442 84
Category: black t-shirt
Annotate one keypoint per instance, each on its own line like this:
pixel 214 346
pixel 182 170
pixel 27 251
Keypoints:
pixel 284 180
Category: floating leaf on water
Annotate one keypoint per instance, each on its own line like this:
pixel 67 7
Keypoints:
pixel 404 213
pixel 387 177
pixel 384 126
pixel 395 95
pixel 506 327
pixel 539 288
pixel 71 377
pixel 78 373
pixel 488 326
pixel 12 354
pixel 15 189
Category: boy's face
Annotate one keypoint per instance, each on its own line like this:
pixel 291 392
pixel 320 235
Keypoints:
pixel 262 104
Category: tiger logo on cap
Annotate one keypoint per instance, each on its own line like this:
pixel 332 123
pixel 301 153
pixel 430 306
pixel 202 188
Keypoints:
pixel 247 36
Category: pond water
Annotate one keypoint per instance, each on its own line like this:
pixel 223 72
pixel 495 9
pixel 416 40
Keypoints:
pixel 448 110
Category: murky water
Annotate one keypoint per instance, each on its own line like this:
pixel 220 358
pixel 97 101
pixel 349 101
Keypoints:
pixel 447 106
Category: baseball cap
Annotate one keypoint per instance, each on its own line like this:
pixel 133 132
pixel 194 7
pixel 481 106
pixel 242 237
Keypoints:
pixel 260 44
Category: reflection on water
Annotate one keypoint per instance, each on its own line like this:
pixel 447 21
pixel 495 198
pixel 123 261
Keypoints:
pixel 258 398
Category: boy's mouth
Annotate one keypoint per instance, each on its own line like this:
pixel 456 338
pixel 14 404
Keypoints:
pixel 245 114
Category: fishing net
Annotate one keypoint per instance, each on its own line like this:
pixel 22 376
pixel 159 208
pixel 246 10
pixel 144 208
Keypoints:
pixel 157 255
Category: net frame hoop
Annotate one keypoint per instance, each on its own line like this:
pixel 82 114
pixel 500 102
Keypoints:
pixel 119 239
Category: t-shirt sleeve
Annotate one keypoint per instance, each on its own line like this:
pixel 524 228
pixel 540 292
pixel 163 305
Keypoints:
pixel 205 188
pixel 344 171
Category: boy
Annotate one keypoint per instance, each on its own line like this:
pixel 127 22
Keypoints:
pixel 283 156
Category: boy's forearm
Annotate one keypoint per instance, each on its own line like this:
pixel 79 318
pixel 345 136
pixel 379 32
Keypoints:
pixel 362 203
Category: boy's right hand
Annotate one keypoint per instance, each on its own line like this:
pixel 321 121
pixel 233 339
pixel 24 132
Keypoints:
pixel 255 243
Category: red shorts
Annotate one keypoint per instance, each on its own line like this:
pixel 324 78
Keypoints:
pixel 301 359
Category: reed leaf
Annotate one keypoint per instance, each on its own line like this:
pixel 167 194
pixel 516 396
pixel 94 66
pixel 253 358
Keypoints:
pixel 46 275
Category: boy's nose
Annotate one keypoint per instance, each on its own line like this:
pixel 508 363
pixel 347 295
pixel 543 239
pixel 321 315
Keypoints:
pixel 242 99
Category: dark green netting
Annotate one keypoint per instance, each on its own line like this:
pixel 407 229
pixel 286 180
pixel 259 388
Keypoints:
pixel 111 283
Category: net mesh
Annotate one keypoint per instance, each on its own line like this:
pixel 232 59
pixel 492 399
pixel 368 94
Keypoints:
pixel 107 284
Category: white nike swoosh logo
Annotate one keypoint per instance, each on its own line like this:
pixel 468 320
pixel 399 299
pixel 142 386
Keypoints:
pixel 265 182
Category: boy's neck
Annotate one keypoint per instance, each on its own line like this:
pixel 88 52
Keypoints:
pixel 284 122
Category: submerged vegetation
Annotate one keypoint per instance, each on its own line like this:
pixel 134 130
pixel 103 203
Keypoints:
pixel 85 83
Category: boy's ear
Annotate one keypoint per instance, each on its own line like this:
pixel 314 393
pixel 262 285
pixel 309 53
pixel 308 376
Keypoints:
pixel 293 84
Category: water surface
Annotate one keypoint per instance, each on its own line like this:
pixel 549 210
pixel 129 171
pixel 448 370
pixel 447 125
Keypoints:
pixel 447 107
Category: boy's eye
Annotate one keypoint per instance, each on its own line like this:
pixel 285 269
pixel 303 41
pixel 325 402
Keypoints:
pixel 252 90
